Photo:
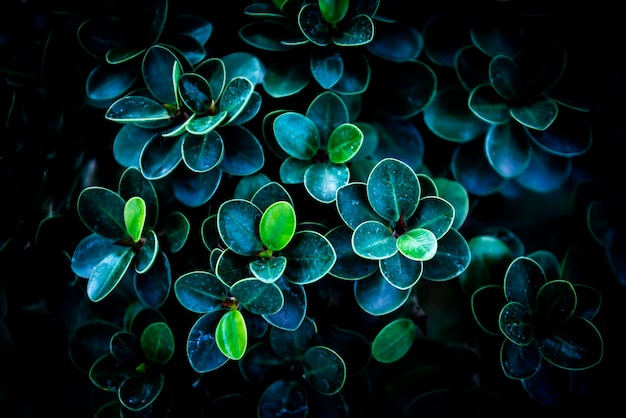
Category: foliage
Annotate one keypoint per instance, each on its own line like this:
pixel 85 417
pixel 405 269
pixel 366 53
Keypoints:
pixel 309 208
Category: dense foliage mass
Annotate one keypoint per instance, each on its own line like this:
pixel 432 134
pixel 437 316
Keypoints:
pixel 310 208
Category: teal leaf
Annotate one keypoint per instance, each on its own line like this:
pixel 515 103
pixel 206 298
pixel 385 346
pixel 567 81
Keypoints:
pixel 538 114
pixel 399 139
pixel 202 153
pixel 235 97
pixel 310 256
pixel 158 69
pixel 108 273
pixel 522 281
pixel 139 391
pixel 160 157
pixel 231 267
pixel 297 135
pixel 569 135
pixel 148 253
pixel 394 340
pixel 204 124
pixel 454 193
pixel 213 71
pixel 290 346
pixel 401 271
pixel 452 258
pixel 243 153
pixel 418 244
pixel 411 89
pixel 353 206
pixel 157 342
pixel 505 76
pixel 195 189
pixel 292 170
pixel 328 111
pixel 257 296
pixel 324 369
pixel 284 80
pixel 102 211
pixel 515 323
pixel 327 68
pixel 323 179
pixel 574 345
pixel 196 93
pixel 344 143
pixel 268 270
pixel 105 84
pixel 487 302
pixel 349 266
pixel 238 225
pixel 89 252
pixel 284 395
pixel 373 240
pixel 358 31
pixel 231 335
pixel 245 65
pixel 248 185
pixel 135 217
pixel 470 167
pixel 434 214
pixel 519 361
pixel 294 309
pixel 393 189
pixel 129 142
pixel 449 117
pixel 508 151
pixel 396 41
pixel 270 193
pixel 556 301
pixel 200 291
pixel 153 287
pixel 277 225
pixel 137 109
pixel 202 351
pixel 313 25
pixel 488 105
pixel 545 172
pixel 250 110
pixel 376 296
pixel 176 228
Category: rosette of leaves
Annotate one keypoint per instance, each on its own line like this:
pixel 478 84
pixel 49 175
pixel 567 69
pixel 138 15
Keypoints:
pixel 124 241
pixel 398 221
pixel 326 42
pixel 317 146
pixel 508 96
pixel 301 375
pixel 546 322
pixel 118 39
pixel 129 361
pixel 191 119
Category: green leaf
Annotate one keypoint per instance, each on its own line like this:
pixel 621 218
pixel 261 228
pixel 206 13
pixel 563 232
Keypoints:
pixel 257 296
pixel 324 369
pixel 132 183
pixel 297 135
pixel 394 340
pixel 135 217
pixel 393 189
pixel 333 10
pixel 277 225
pixel 231 335
pixel 157 342
pixel 418 244
pixel 108 273
pixel 344 142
